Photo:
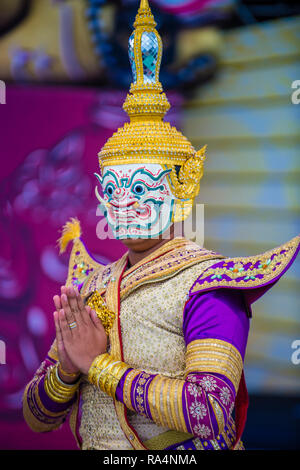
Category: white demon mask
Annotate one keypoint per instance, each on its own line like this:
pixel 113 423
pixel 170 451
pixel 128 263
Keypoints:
pixel 136 200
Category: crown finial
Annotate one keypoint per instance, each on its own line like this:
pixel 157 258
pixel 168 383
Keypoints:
pixel 145 99
pixel 144 15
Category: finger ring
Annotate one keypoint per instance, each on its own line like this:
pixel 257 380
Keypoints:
pixel 73 325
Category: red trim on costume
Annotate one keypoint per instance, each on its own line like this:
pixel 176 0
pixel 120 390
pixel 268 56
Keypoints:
pixel 122 358
pixel 241 404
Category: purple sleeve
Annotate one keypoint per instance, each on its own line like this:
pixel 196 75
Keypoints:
pixel 220 314
pixel 219 318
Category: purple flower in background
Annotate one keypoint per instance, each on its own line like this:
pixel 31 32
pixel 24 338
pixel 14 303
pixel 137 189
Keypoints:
pixel 50 185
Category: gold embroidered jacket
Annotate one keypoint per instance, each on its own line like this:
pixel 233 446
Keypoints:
pixel 180 330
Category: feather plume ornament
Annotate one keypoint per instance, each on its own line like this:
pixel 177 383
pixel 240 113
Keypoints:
pixel 70 231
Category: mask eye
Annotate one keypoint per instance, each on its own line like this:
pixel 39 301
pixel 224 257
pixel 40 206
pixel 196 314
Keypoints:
pixel 138 189
pixel 109 189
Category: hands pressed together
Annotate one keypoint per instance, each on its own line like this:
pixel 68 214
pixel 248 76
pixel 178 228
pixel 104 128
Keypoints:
pixel 80 335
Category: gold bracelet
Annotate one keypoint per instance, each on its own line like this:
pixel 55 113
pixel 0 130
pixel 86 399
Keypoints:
pixel 56 389
pixel 99 367
pixel 99 362
pixel 114 374
pixel 107 379
pixel 53 393
pixel 67 374
pixel 106 372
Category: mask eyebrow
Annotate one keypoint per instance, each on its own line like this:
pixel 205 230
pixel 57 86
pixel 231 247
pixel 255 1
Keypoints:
pixel 144 171
pixel 107 174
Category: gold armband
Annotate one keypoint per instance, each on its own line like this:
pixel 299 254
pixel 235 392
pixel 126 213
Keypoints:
pixel 106 372
pixel 56 389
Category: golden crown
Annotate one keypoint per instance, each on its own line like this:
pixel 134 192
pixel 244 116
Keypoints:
pixel 147 138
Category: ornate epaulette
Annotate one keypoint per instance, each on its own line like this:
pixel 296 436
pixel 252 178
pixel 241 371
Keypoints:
pixel 81 264
pixel 248 273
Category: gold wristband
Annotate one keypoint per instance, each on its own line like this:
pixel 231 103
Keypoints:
pixel 106 372
pixel 67 374
pixel 108 381
pixel 56 389
pixel 98 363
pixel 116 372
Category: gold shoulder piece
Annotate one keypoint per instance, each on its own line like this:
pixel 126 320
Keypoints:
pixel 81 265
pixel 251 272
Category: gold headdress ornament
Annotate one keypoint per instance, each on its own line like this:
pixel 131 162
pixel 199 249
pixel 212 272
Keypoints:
pixel 147 138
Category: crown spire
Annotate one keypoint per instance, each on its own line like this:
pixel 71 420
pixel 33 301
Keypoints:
pixel 145 99
pixel 144 15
